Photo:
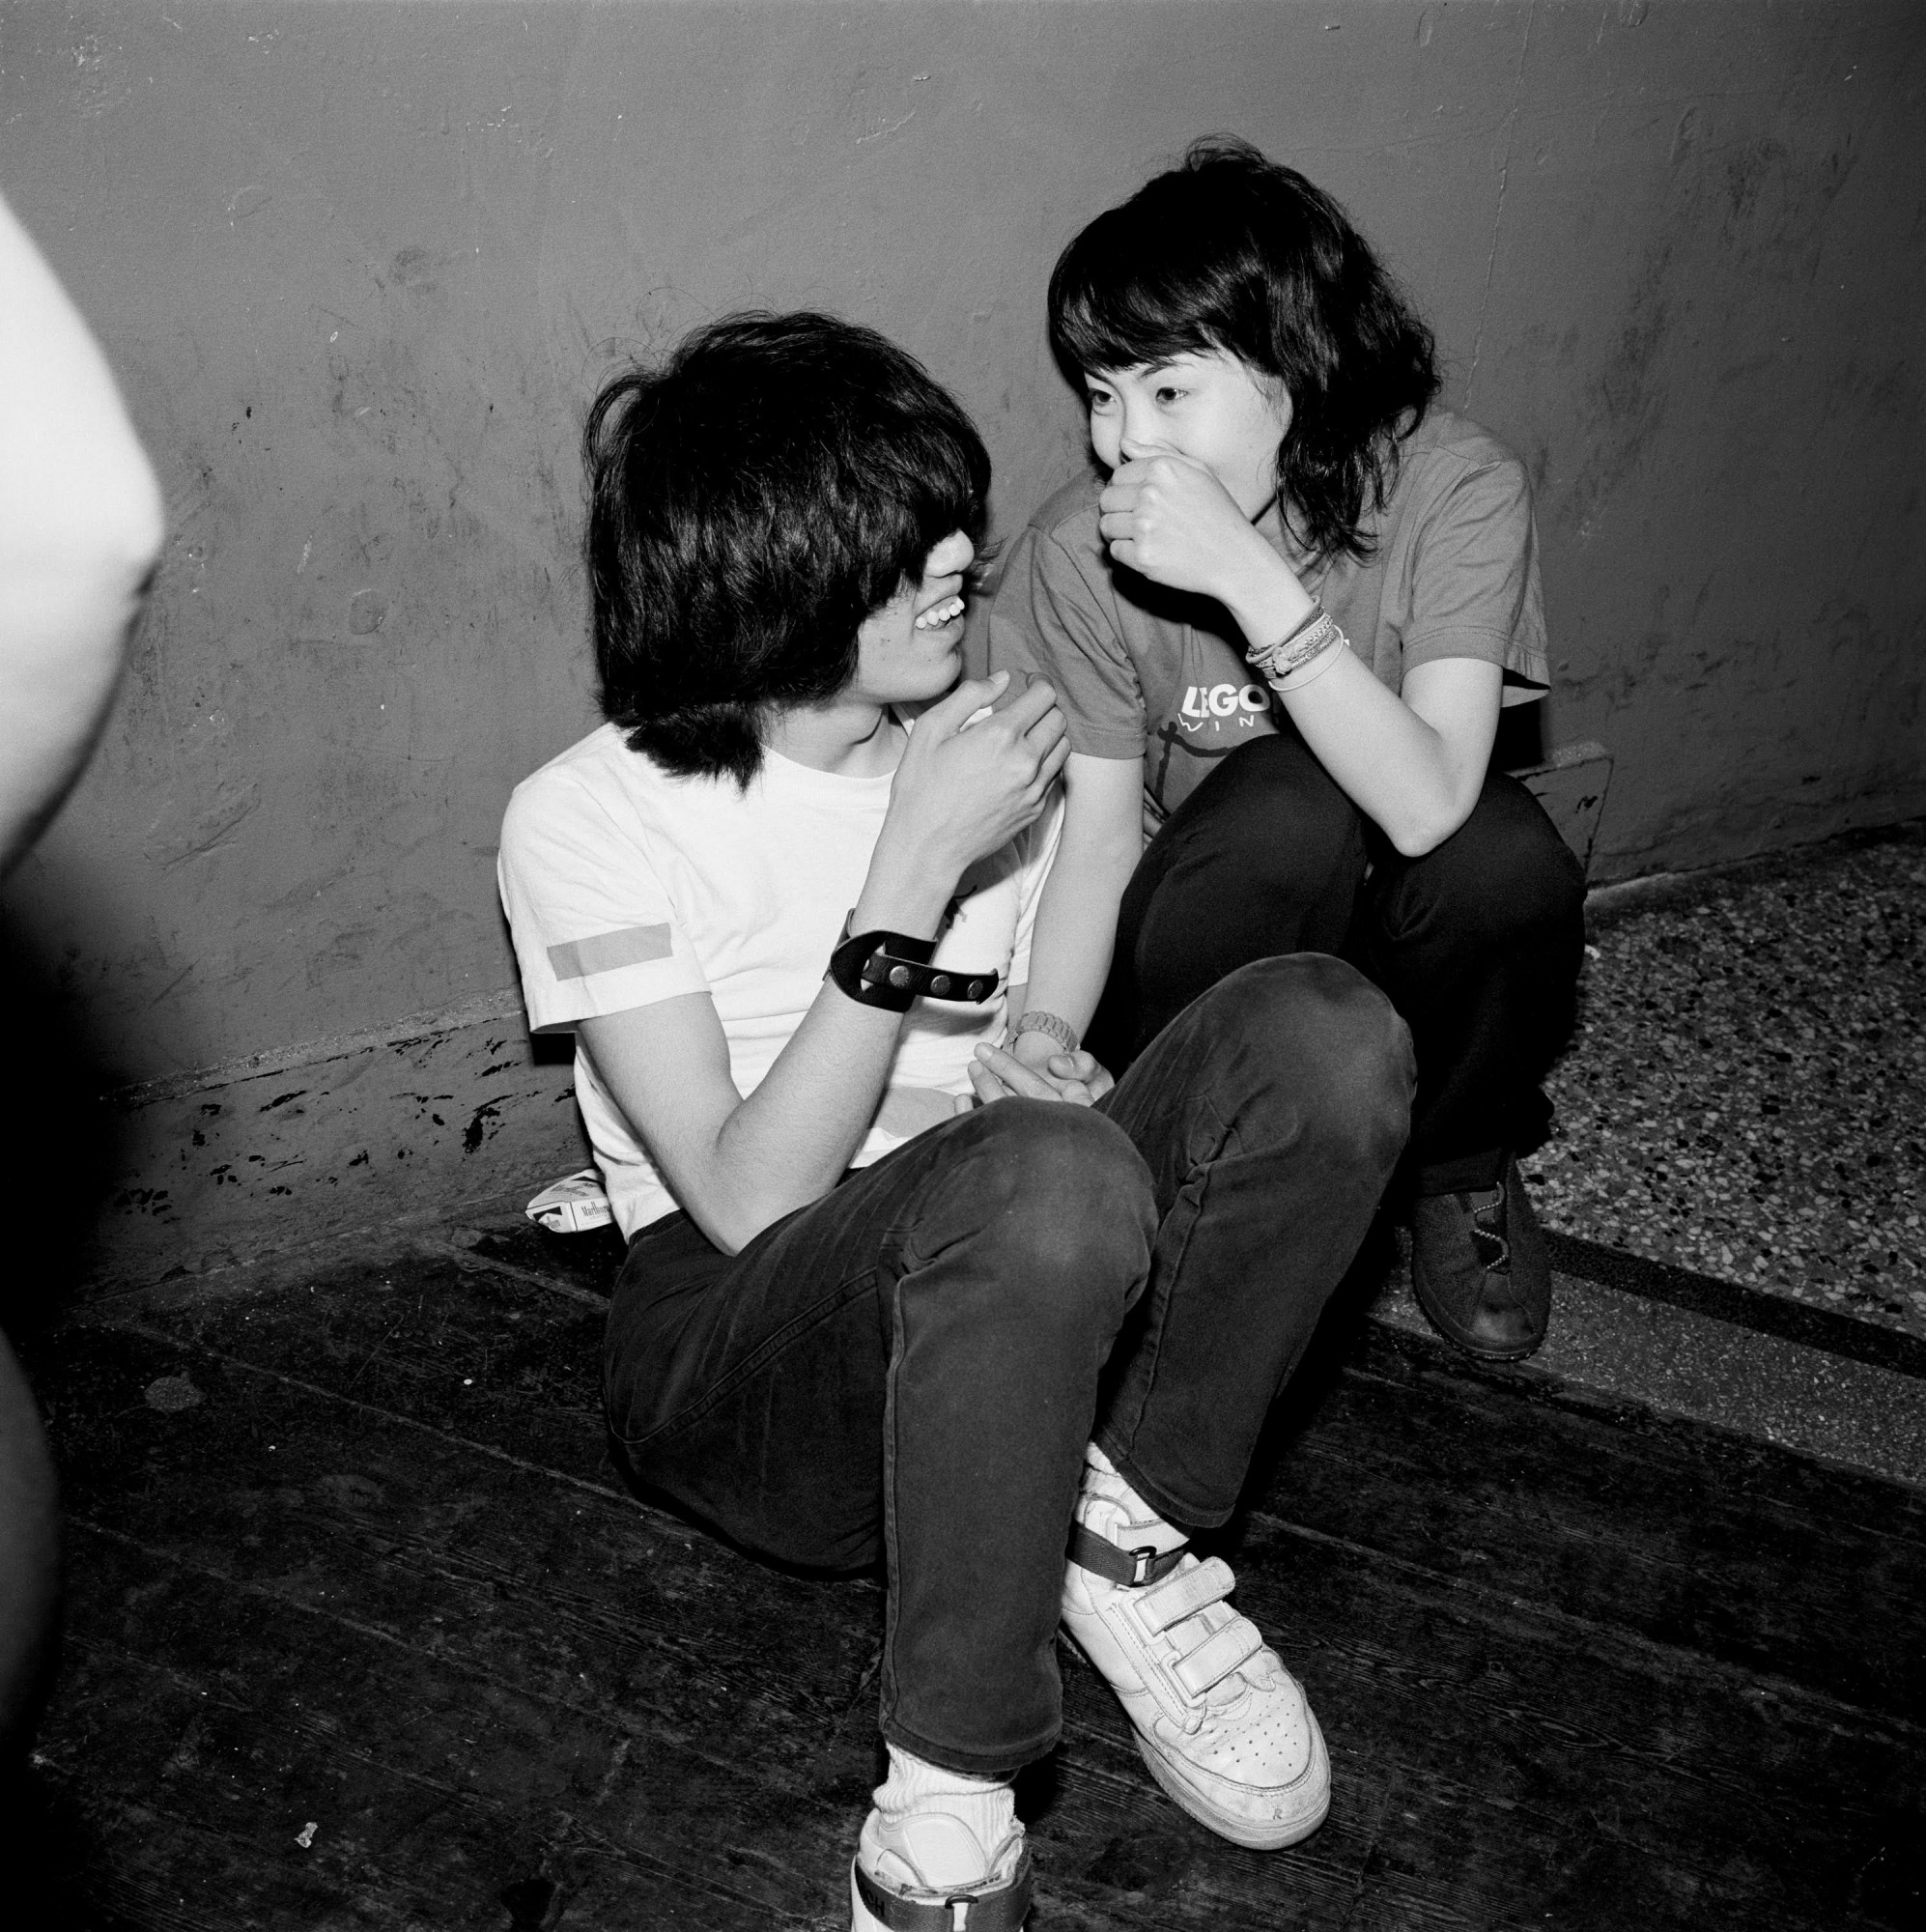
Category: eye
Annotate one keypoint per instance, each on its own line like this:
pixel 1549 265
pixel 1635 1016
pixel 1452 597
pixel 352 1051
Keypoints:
pixel 1101 399
pixel 1168 393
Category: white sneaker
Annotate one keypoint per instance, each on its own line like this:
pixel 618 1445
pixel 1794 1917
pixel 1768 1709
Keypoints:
pixel 927 1873
pixel 1223 1727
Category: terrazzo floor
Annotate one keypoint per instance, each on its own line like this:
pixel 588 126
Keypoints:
pixel 1745 1095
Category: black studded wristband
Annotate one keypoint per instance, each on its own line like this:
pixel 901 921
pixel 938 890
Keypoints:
pixel 891 969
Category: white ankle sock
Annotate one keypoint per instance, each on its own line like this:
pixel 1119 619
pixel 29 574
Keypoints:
pixel 985 1804
pixel 1146 1527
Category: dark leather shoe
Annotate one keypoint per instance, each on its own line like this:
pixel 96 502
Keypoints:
pixel 1478 1269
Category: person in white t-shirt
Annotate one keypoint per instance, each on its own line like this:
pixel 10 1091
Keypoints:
pixel 893 1294
pixel 81 530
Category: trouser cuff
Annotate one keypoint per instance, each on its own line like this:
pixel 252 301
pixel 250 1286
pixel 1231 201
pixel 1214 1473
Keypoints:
pixel 972 1763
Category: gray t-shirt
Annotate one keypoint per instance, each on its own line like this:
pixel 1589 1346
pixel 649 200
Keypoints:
pixel 1454 575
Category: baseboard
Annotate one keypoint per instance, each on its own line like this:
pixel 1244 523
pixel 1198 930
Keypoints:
pixel 1570 784
pixel 452 1115
pixel 447 1113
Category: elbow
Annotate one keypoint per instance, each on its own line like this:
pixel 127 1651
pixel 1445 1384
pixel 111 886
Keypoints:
pixel 732 1224
pixel 727 1228
pixel 1413 841
pixel 1420 833
pixel 727 1242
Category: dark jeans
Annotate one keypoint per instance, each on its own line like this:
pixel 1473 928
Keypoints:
pixel 911 1365
pixel 1478 942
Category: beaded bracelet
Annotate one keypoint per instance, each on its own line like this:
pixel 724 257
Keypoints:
pixel 1038 1021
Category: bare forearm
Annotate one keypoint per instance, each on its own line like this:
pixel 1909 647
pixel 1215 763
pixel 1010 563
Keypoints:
pixel 1385 759
pixel 1101 841
pixel 1076 930
pixel 1417 783
pixel 791 1139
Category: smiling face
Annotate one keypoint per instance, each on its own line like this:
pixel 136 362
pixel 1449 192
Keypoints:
pixel 1207 405
pixel 910 648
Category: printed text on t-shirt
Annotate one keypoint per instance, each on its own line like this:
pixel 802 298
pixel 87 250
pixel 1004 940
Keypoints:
pixel 1204 702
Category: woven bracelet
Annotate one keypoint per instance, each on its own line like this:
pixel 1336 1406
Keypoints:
pixel 1309 641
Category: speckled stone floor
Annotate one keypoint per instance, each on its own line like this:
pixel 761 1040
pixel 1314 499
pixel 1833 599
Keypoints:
pixel 1746 1095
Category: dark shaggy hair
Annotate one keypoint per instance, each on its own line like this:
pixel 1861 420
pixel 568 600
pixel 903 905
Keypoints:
pixel 1232 251
pixel 750 502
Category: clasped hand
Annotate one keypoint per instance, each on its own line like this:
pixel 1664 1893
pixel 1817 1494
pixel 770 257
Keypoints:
pixel 998 1074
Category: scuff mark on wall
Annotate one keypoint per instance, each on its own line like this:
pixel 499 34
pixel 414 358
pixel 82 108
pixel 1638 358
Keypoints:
pixel 221 1175
pixel 1625 403
pixel 168 844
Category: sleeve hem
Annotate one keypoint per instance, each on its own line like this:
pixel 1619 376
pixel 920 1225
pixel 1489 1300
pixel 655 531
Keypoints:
pixel 616 993
pixel 1472 641
pixel 1484 647
pixel 1089 743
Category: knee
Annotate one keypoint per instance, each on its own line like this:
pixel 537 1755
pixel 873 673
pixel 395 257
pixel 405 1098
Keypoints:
pixel 1061 1207
pixel 1339 1057
pixel 1505 875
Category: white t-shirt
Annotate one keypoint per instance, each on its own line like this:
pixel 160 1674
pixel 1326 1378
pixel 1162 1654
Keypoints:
pixel 624 885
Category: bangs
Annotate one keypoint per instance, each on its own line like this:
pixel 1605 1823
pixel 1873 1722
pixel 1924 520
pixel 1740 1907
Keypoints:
pixel 751 502
pixel 921 475
pixel 1122 296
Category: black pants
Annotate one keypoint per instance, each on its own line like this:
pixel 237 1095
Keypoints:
pixel 911 1365
pixel 1478 942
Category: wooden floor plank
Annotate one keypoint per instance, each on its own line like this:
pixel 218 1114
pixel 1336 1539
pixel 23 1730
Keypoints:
pixel 1573 1509
pixel 341 1509
pixel 407 1831
pixel 1541 1724
pixel 354 1552
pixel 439 1338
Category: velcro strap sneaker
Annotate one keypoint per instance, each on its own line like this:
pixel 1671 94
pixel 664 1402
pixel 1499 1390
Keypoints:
pixel 1203 1669
pixel 928 1874
pixel 1224 1727
pixel 1186 1593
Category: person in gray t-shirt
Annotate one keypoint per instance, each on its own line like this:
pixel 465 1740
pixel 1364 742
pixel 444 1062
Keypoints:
pixel 1281 629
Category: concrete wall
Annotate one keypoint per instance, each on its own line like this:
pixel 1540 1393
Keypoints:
pixel 360 266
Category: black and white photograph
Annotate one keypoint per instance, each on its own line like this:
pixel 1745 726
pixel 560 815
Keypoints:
pixel 967 965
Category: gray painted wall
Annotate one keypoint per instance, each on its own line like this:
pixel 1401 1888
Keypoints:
pixel 360 267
